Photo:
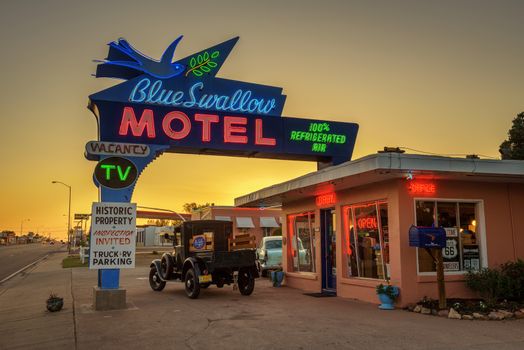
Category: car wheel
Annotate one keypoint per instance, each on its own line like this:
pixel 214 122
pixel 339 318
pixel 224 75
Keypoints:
pixel 191 284
pixel 154 280
pixel 246 282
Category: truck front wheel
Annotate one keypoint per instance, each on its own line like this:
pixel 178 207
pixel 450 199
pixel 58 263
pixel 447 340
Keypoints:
pixel 246 282
pixel 192 285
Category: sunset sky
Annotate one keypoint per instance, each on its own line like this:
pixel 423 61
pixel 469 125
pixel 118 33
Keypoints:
pixel 442 76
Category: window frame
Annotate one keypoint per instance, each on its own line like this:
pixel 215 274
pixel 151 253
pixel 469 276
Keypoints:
pixel 309 214
pixel 479 213
pixel 351 211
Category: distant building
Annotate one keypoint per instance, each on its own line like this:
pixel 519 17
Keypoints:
pixel 149 236
pixel 7 237
pixel 78 236
pixel 259 222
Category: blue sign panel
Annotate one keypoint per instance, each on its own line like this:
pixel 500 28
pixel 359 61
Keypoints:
pixel 199 242
pixel 427 237
pixel 183 107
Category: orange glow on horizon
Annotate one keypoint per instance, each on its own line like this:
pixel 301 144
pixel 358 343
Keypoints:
pixel 378 79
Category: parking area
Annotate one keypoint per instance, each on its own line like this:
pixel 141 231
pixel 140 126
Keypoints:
pixel 271 318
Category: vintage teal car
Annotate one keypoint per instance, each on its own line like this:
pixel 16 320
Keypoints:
pixel 269 254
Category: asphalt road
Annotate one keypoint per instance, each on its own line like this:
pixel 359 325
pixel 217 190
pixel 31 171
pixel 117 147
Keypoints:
pixel 14 257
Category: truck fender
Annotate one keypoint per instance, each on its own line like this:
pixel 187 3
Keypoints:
pixel 255 270
pixel 156 264
pixel 190 263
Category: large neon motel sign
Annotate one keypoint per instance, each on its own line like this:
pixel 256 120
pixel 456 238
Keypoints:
pixel 183 107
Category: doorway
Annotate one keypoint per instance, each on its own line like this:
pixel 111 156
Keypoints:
pixel 329 250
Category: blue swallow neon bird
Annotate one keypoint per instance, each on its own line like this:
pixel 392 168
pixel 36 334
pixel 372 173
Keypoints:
pixel 125 62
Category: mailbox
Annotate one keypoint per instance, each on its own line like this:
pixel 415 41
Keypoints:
pixel 427 237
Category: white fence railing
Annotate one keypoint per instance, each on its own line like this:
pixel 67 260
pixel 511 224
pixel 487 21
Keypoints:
pixel 84 253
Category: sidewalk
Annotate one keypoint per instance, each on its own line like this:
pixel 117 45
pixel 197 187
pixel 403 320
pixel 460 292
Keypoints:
pixel 272 318
pixel 24 321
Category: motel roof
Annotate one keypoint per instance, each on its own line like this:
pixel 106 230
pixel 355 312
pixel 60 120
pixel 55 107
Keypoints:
pixel 385 166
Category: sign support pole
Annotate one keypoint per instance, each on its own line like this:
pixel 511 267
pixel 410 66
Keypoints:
pixel 436 254
pixel 109 279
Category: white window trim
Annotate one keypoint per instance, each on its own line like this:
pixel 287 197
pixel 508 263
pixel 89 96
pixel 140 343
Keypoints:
pixel 482 225
pixel 313 243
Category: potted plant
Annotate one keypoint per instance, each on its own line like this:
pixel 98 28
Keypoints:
pixel 387 294
pixel 54 303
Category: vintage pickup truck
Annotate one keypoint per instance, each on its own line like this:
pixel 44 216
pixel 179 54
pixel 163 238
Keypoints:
pixel 206 253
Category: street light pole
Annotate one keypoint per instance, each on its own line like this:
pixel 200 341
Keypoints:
pixel 22 226
pixel 68 215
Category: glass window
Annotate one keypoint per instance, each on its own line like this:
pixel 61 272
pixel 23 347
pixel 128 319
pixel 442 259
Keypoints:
pixel 367 236
pixel 459 220
pixel 301 236
pixel 274 244
pixel 468 237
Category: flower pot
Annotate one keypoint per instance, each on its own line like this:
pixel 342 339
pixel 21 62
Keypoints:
pixel 386 301
pixel 55 304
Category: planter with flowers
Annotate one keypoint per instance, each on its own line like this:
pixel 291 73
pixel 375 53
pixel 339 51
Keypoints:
pixel 387 294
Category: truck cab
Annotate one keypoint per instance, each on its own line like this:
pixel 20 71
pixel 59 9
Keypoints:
pixel 206 253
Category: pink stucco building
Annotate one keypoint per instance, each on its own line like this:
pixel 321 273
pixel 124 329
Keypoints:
pixel 346 227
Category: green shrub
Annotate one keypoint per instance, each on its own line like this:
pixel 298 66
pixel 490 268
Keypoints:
pixel 485 283
pixel 503 283
pixel 512 283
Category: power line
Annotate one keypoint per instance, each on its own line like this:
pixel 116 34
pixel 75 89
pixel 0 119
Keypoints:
pixel 445 154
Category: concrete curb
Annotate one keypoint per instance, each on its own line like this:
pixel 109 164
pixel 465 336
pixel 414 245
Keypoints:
pixel 23 269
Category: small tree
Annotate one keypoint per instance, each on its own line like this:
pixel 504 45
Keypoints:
pixel 189 207
pixel 163 222
pixel 513 147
